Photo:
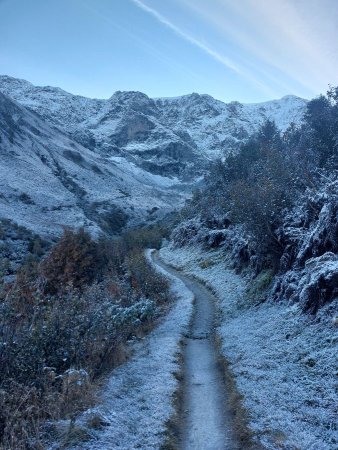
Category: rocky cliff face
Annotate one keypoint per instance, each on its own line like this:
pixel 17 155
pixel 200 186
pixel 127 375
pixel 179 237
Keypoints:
pixel 309 263
pixel 71 160
pixel 165 136
pixel 48 180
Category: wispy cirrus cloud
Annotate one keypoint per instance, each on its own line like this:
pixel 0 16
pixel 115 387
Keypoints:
pixel 216 55
pixel 299 39
pixel 147 46
pixel 282 44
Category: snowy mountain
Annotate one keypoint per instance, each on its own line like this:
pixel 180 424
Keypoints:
pixel 166 136
pixel 71 160
pixel 47 180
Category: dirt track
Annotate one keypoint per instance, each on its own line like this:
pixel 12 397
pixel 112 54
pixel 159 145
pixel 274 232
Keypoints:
pixel 205 422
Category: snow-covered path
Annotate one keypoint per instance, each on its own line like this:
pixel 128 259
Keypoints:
pixel 206 422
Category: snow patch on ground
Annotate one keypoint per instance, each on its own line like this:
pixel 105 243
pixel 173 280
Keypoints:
pixel 284 362
pixel 143 176
pixel 48 181
pixel 137 401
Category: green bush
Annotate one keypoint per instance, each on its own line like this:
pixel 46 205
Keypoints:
pixel 260 284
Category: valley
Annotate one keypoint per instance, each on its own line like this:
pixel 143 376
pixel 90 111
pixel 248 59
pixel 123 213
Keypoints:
pixel 225 338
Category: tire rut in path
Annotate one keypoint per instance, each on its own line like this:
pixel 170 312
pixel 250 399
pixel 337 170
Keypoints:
pixel 206 422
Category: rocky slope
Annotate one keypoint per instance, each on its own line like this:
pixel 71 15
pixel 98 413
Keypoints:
pixel 71 160
pixel 166 136
pixel 48 180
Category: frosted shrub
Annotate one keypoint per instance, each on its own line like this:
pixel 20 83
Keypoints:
pixel 310 237
pixel 189 232
pixel 135 314
pixel 64 321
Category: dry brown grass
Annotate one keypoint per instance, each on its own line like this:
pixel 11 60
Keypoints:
pixel 174 424
pixel 24 409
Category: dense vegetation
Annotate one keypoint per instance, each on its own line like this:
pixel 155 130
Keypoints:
pixel 65 319
pixel 274 206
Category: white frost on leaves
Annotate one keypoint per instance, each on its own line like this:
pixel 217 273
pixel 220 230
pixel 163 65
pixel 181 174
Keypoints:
pixel 137 401
pixel 284 362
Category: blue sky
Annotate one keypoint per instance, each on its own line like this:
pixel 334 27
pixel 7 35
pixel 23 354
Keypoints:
pixel 245 50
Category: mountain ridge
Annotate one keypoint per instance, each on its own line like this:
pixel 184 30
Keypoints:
pixel 48 181
pixel 174 136
pixel 5 77
pixel 130 156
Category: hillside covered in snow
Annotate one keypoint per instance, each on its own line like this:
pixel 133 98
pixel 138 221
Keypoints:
pixel 48 180
pixel 74 161
pixel 166 136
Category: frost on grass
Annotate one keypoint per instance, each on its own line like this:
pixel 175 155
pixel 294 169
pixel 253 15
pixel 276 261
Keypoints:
pixel 137 400
pixel 284 362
